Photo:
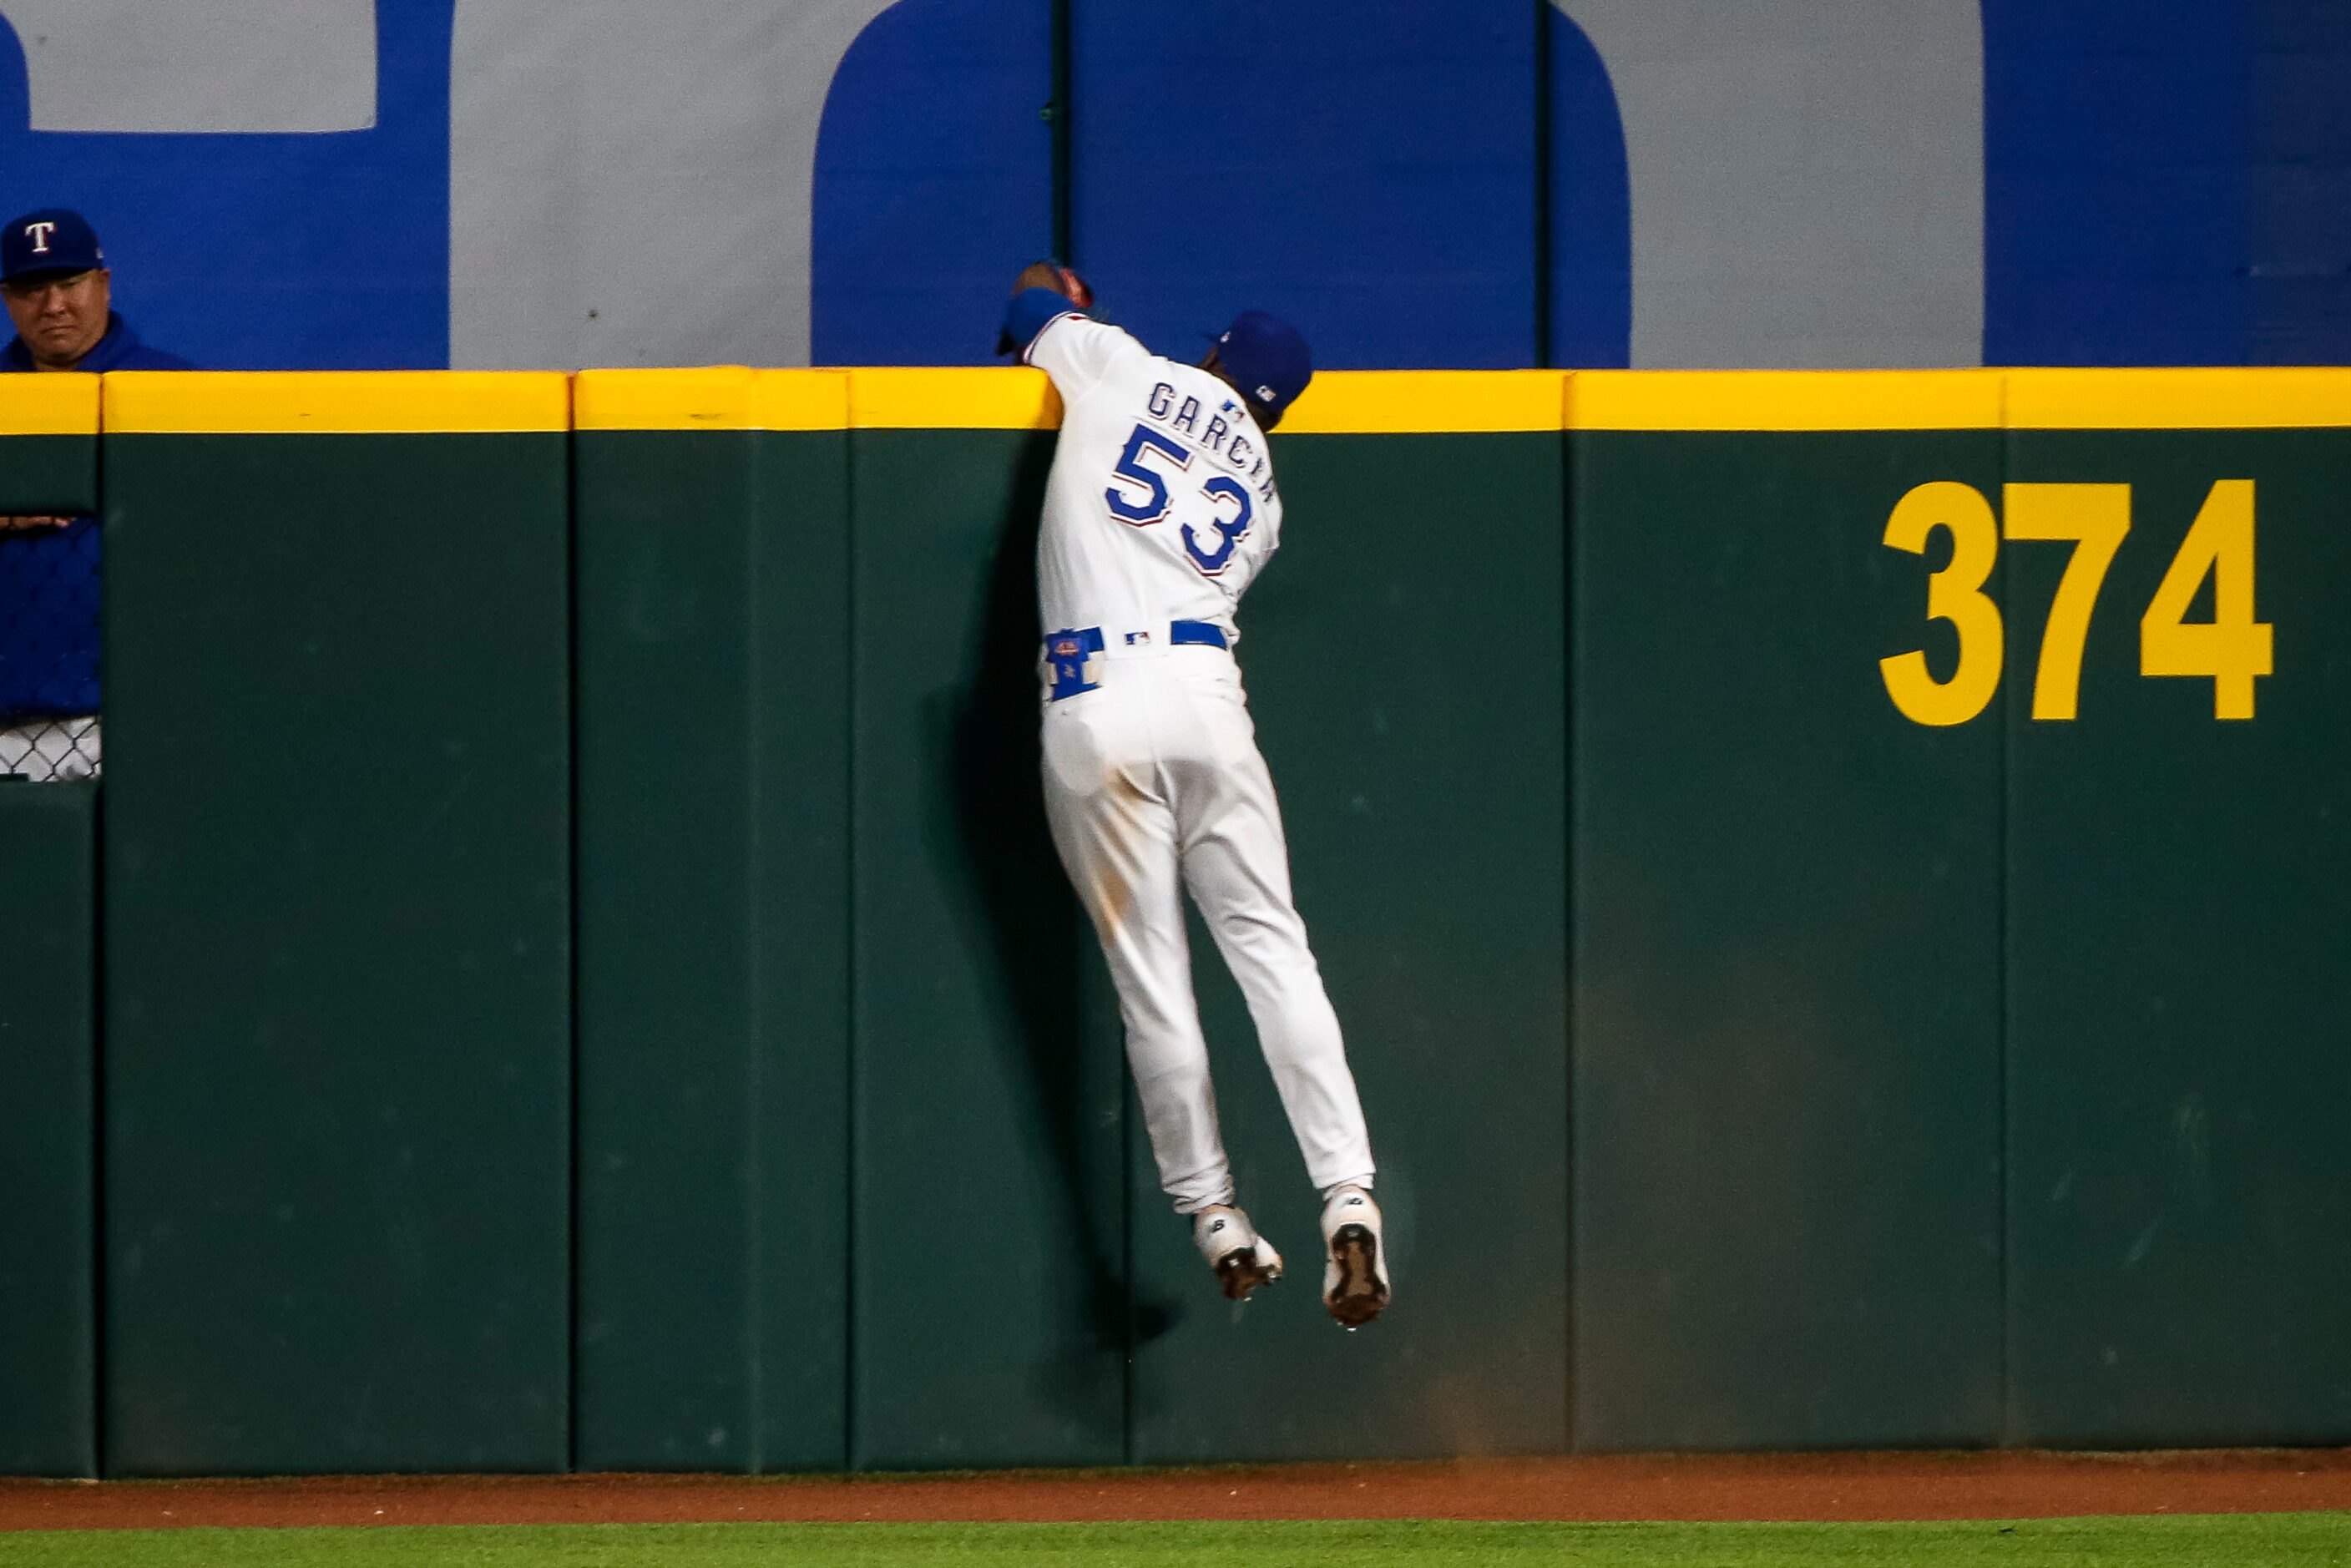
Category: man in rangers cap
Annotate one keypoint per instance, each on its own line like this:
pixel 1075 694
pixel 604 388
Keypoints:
pixel 55 282
pixel 59 294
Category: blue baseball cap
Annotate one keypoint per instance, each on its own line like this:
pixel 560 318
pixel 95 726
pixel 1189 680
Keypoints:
pixel 54 239
pixel 1267 359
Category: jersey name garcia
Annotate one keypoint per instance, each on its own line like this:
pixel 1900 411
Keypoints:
pixel 1161 505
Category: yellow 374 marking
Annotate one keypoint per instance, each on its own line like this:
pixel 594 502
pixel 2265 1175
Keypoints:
pixel 2232 648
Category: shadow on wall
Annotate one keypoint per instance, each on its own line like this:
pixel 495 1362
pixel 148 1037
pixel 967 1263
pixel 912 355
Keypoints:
pixel 1044 954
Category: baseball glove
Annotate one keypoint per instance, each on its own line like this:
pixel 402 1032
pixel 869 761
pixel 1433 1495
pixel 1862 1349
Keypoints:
pixel 1062 280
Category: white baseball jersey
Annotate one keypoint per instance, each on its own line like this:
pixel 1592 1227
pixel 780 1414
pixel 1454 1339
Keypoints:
pixel 1161 508
pixel 1161 505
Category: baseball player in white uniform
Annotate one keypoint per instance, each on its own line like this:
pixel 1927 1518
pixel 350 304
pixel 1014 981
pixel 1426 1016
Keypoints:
pixel 1160 511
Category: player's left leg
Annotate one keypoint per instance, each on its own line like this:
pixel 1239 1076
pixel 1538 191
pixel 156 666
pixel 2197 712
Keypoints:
pixel 1118 847
pixel 1237 867
pixel 1116 836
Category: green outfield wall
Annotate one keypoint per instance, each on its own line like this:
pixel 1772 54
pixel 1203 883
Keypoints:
pixel 1835 883
pixel 337 923
pixel 48 1000
pixel 711 551
pixel 986 1202
pixel 2178 925
pixel 1787 927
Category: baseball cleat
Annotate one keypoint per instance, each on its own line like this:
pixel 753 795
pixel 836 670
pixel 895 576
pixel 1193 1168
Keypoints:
pixel 1242 1258
pixel 1354 1263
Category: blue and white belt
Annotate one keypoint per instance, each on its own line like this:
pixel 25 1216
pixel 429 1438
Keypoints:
pixel 1068 651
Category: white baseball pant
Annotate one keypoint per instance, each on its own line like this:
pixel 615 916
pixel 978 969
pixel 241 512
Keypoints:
pixel 1153 785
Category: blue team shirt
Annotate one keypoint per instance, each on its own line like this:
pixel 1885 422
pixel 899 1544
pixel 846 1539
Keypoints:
pixel 49 577
pixel 119 350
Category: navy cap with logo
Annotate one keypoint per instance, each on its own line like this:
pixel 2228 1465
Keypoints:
pixel 53 240
pixel 1267 359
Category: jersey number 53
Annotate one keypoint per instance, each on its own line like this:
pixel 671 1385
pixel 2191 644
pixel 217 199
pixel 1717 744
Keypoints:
pixel 1153 506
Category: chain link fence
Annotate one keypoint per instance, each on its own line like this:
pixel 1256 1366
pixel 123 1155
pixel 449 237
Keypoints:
pixel 48 648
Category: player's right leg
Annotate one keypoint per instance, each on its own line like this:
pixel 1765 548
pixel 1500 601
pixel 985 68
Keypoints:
pixel 1116 836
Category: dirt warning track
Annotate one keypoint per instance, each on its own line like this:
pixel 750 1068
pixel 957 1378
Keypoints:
pixel 1622 1486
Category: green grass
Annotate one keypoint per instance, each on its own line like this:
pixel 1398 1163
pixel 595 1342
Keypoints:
pixel 2203 1541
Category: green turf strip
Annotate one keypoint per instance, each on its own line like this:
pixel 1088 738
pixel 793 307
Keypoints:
pixel 2202 1541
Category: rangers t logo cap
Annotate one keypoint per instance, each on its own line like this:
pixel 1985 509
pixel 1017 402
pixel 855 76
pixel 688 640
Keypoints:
pixel 51 240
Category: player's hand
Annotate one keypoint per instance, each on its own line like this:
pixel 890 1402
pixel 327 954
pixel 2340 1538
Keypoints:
pixel 1052 276
pixel 1062 280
